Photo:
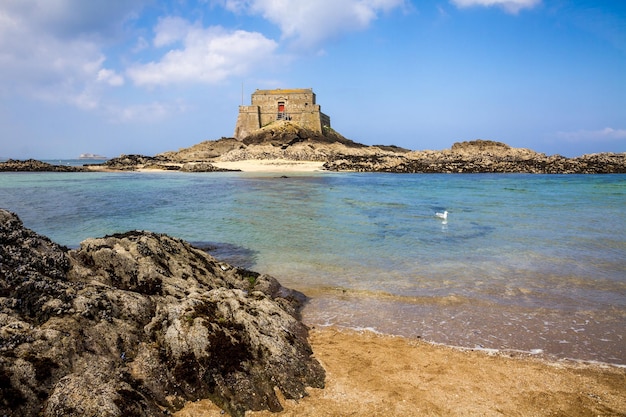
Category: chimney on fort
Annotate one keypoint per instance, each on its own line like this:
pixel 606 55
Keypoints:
pixel 268 106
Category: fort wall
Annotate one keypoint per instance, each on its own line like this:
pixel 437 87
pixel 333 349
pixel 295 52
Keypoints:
pixel 248 121
pixel 295 105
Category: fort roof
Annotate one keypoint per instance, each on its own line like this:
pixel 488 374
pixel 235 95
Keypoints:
pixel 285 91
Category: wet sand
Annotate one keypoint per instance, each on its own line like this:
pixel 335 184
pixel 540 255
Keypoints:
pixel 375 375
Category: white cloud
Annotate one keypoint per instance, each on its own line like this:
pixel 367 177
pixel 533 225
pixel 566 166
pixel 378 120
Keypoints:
pixel 206 55
pixel 53 50
pixel 510 6
pixel 308 23
pixel 150 112
pixel 170 30
pixel 140 45
pixel 606 134
pixel 110 77
pixel 71 18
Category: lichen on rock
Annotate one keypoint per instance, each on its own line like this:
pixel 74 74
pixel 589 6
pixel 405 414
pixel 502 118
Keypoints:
pixel 136 324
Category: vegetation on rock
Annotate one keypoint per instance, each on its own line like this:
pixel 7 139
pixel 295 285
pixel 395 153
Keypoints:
pixel 136 324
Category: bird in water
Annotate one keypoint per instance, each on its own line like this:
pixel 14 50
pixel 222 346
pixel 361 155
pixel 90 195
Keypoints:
pixel 443 215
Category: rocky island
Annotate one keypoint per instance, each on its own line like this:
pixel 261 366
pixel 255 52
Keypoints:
pixel 288 125
pixel 284 141
pixel 137 324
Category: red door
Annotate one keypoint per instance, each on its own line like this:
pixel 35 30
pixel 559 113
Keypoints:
pixel 281 107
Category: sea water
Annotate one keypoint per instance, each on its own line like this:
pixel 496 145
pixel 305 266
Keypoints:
pixel 535 263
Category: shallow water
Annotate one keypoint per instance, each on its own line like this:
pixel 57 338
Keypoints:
pixel 526 262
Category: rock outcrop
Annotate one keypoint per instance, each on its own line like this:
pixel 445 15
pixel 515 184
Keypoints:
pixel 132 162
pixel 159 162
pixel 481 156
pixel 137 324
pixel 32 165
pixel 203 151
pixel 202 167
pixel 281 140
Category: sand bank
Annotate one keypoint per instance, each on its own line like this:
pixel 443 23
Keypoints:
pixel 374 375
pixel 271 165
pixel 252 165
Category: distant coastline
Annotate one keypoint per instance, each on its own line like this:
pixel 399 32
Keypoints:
pixel 91 156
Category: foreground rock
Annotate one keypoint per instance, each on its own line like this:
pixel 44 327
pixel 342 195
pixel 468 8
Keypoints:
pixel 137 324
pixel 32 165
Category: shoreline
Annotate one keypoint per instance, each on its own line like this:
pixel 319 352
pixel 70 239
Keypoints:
pixel 249 165
pixel 421 162
pixel 270 165
pixel 380 375
pixel 532 354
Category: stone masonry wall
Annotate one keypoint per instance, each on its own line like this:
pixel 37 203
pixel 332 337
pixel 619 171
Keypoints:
pixel 298 106
pixel 248 121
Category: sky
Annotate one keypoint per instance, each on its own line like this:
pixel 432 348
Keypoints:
pixel 116 77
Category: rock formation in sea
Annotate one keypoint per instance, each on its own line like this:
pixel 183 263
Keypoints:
pixel 159 162
pixel 481 156
pixel 136 324
pixel 33 165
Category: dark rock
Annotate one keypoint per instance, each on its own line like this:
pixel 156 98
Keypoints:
pixel 203 167
pixel 133 162
pixel 32 165
pixel 392 148
pixel 480 145
pixel 138 324
pixel 480 156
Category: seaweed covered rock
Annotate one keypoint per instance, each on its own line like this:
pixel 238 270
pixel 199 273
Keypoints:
pixel 133 162
pixel 480 156
pixel 33 165
pixel 136 324
pixel 202 167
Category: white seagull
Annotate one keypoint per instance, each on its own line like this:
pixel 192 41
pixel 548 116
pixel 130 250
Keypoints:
pixel 443 215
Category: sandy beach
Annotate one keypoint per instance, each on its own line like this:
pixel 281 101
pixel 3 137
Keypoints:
pixel 271 165
pixel 374 375
pixel 278 166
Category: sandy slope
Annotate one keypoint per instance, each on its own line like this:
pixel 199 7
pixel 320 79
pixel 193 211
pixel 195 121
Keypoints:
pixel 373 375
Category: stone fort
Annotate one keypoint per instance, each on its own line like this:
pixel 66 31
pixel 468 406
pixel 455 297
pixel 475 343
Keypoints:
pixel 296 105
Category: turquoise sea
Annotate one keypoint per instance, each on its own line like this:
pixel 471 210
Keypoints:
pixel 534 263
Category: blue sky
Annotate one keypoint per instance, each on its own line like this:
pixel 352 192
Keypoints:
pixel 147 76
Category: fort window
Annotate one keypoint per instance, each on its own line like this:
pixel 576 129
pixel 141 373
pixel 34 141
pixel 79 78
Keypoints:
pixel 281 111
